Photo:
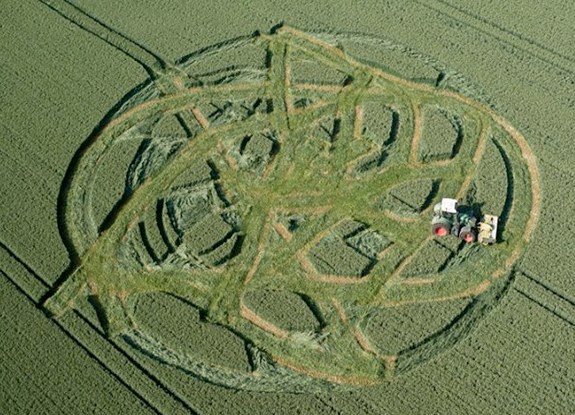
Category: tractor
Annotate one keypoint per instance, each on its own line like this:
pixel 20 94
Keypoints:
pixel 449 218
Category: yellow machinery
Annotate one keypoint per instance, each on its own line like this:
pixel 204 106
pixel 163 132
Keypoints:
pixel 488 229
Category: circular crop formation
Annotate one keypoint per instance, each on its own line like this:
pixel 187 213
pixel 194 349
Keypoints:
pixel 274 229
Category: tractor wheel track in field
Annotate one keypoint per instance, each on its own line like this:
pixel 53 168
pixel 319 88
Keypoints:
pixel 501 34
pixel 280 67
pixel 150 61
pixel 69 330
pixel 550 309
pixel 527 153
pixel 157 67
pixel 536 290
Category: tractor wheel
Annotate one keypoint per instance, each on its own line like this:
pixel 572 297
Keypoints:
pixel 468 234
pixel 440 229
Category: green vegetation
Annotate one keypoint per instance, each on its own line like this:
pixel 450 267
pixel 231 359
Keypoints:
pixel 177 324
pixel 285 309
pixel 107 189
pixel 59 361
pixel 255 152
pixel 223 62
pixel 380 124
pixel 411 197
pixel 440 136
pixel 225 190
pixel 269 161
pixel 429 260
pixel 491 182
pixel 207 233
pixel 398 329
pixel 368 242
pixel 305 69
pixel 333 256
pixel 169 126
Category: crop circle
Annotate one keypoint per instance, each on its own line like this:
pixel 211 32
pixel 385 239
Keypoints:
pixel 291 196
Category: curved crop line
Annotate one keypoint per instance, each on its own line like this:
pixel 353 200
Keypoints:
pixel 267 377
pixel 527 153
pixel 521 42
pixel 508 204
pixel 229 44
pixel 67 233
pixel 470 292
pixel 463 325
pixel 460 327
pixel 315 374
pixel 392 44
pixel 120 221
pixel 260 322
pixel 363 341
pixel 92 247
pixel 154 65
pixel 100 144
pixel 480 150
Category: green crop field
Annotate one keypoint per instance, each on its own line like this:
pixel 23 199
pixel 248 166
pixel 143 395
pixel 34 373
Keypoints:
pixel 224 208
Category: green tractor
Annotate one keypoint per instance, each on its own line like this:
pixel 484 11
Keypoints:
pixel 449 218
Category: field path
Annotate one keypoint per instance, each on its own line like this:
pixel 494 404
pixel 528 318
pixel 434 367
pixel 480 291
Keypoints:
pixel 265 325
pixel 154 65
pixel 96 246
pixel 527 154
pixel 416 133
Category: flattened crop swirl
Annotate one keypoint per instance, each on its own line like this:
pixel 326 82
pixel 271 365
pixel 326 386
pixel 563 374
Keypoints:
pixel 333 197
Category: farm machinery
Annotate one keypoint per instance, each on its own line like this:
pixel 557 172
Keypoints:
pixel 450 218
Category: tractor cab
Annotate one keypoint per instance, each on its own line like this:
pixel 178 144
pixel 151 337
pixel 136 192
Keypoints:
pixel 447 207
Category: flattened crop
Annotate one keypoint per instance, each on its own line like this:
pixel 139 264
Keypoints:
pixel 285 209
